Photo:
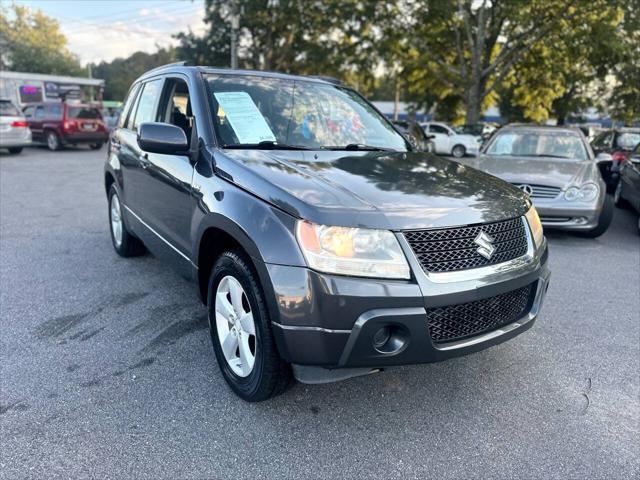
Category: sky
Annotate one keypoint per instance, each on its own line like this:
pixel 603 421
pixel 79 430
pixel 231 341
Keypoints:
pixel 100 30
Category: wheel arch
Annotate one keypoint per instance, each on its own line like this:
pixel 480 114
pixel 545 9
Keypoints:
pixel 217 234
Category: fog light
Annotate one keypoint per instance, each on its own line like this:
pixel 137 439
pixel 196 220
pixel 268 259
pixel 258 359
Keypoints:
pixel 390 339
pixel 381 337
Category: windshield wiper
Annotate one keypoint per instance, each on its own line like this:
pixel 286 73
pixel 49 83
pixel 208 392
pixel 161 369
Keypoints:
pixel 542 155
pixel 265 145
pixel 359 147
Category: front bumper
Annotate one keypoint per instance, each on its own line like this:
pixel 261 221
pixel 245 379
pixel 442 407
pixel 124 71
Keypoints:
pixel 561 214
pixel 330 321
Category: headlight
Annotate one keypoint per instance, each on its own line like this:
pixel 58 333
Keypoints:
pixel 585 193
pixel 352 251
pixel 535 226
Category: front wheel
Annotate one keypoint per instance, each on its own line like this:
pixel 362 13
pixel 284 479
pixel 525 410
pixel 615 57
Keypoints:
pixel 458 151
pixel 15 150
pixel 241 331
pixel 603 221
pixel 96 146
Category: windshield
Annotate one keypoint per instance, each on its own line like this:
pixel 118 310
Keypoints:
pixel 628 140
pixel 7 109
pixel 559 144
pixel 250 110
pixel 84 112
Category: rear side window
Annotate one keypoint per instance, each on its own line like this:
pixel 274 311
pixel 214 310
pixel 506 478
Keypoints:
pixel 8 109
pixel 55 111
pixel 146 111
pixel 126 109
pixel 83 113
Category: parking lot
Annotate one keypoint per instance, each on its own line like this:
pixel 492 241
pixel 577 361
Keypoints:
pixel 107 368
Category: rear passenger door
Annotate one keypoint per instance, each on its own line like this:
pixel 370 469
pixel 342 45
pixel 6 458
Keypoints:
pixel 133 161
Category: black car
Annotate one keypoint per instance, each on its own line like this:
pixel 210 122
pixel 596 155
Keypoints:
pixel 617 142
pixel 414 133
pixel 322 245
pixel 627 192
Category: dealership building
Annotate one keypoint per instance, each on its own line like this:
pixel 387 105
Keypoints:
pixel 25 88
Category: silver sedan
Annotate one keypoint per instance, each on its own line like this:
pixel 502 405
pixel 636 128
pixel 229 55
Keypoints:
pixel 14 130
pixel 556 167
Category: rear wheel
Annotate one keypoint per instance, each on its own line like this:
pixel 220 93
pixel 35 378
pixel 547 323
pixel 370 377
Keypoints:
pixel 15 150
pixel 603 221
pixel 241 331
pixel 458 151
pixel 53 140
pixel 96 146
pixel 125 244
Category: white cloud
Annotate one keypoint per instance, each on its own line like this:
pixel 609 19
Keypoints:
pixel 104 41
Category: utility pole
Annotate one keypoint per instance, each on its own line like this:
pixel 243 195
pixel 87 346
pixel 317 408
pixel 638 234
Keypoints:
pixel 235 25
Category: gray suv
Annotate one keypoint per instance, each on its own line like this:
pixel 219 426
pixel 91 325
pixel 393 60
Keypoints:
pixel 322 245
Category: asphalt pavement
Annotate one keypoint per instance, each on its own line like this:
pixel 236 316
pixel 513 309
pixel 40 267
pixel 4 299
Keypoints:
pixel 107 370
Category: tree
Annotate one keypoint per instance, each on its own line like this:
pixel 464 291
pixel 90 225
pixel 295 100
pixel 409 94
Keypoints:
pixel 565 73
pixel 474 44
pixel 625 97
pixel 120 73
pixel 32 42
pixel 340 38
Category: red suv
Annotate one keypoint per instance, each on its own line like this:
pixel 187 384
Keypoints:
pixel 59 124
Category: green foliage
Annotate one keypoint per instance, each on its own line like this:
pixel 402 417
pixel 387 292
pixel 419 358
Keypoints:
pixel 120 73
pixel 624 103
pixel 32 42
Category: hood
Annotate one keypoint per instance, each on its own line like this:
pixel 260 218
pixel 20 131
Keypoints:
pixel 390 190
pixel 536 171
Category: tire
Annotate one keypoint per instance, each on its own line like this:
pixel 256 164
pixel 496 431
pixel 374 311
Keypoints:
pixel 458 151
pixel 96 146
pixel 268 375
pixel 125 244
pixel 603 221
pixel 53 140
pixel 15 150
pixel 619 201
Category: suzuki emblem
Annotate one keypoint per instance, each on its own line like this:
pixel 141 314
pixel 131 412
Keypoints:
pixel 485 245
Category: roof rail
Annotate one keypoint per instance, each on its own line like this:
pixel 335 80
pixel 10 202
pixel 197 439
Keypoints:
pixel 182 63
pixel 326 78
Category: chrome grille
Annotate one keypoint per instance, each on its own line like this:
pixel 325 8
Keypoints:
pixel 456 322
pixel 540 191
pixel 451 249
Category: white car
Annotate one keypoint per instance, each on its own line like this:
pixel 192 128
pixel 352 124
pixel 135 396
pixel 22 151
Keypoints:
pixel 448 142
pixel 14 130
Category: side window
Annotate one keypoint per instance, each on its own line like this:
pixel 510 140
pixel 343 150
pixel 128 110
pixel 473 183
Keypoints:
pixel 40 112
pixel 438 129
pixel 55 111
pixel 126 110
pixel 146 111
pixel 175 107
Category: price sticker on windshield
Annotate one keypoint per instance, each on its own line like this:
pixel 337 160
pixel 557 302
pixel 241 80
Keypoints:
pixel 245 118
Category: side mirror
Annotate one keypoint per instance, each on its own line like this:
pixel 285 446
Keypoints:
pixel 430 136
pixel 604 157
pixel 155 137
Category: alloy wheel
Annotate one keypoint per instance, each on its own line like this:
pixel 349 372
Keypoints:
pixel 116 220
pixel 235 326
pixel 458 151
